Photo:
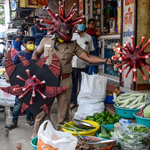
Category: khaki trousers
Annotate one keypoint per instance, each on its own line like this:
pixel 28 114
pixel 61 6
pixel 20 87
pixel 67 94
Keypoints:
pixel 63 100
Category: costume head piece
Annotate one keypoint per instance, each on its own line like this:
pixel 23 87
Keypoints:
pixel 62 25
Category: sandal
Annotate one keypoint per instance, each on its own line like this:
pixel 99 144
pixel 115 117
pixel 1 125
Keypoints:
pixel 9 127
pixel 30 124
pixel 72 106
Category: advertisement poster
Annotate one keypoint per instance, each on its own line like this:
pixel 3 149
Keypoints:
pixel 33 3
pixel 81 5
pixel 128 31
pixel 119 16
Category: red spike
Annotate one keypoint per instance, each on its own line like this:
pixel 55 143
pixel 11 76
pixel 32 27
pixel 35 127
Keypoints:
pixel 46 28
pixel 134 67
pixel 77 22
pixel 144 77
pixel 121 48
pixel 116 66
pixel 134 78
pixel 143 38
pixel 45 108
pixel 127 73
pixel 24 107
pixel 123 58
pixel 50 13
pixel 24 61
pixel 147 53
pixel 129 50
pixel 127 43
pixel 60 10
pixel 11 91
pixel 53 91
pixel 133 47
pixel 145 67
pixel 20 78
pixel 114 57
pixel 31 100
pixel 119 52
pixel 61 18
pixel 147 64
pixel 124 68
pixel 78 18
pixel 68 19
pixel 46 21
pixel 28 72
pixel 44 97
pixel 71 10
pixel 145 45
pixel 63 8
pixel 41 61
pixel 144 57
pixel 22 95
pixel 53 31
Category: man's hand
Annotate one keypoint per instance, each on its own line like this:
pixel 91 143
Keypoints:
pixel 109 61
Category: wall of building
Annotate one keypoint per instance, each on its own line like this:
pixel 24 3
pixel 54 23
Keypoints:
pixel 143 29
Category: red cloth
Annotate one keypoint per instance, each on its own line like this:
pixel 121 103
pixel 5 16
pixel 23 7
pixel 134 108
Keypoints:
pixel 91 32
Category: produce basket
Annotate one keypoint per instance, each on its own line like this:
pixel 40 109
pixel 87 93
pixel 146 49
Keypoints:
pixel 33 141
pixel 109 99
pixel 108 126
pixel 91 132
pixel 97 134
pixel 125 112
pixel 141 120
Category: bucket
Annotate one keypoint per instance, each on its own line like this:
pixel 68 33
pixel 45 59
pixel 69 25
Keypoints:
pixel 33 143
pixel 125 112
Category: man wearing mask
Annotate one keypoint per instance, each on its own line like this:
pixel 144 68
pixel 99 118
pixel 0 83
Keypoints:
pixel 36 32
pixel 65 49
pixel 28 43
pixel 85 41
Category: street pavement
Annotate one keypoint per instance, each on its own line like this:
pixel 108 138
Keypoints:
pixel 21 135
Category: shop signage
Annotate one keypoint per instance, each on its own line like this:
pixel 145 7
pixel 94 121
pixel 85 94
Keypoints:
pixel 34 3
pixel 127 32
pixel 81 5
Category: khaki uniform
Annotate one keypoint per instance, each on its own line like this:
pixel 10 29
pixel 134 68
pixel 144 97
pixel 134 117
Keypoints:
pixel 65 53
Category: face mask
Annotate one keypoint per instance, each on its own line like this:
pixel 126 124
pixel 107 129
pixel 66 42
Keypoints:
pixel 17 45
pixel 30 47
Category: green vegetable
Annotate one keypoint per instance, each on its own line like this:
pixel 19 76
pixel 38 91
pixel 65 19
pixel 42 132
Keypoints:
pixel 96 116
pixel 147 111
pixel 103 130
pixel 140 129
pixel 111 133
pixel 103 135
pixel 103 113
pixel 87 117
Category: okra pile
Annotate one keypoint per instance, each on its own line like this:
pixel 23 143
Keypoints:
pixel 131 100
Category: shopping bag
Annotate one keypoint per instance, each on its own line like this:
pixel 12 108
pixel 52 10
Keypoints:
pixel 51 139
pixel 5 98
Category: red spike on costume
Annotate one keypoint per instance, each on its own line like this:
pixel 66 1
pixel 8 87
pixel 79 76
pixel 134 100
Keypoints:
pixel 143 38
pixel 132 37
pixel 63 14
pixel 41 61
pixel 144 77
pixel 55 66
pixel 24 61
pixel 11 91
pixel 53 91
pixel 31 101
pixel 116 66
pixel 78 18
pixel 145 67
pixel 134 78
pixel 145 45
pixel 45 108
pixel 24 107
pixel 71 10
pixel 50 12
pixel 77 22
pixel 127 73
pixel 124 68
pixel 121 47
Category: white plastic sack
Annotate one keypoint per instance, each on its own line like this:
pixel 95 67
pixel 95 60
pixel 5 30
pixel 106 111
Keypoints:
pixel 86 109
pixel 5 98
pixel 93 88
pixel 91 96
pixel 51 139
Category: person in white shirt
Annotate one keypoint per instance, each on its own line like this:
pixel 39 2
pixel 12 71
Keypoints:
pixel 2 48
pixel 86 42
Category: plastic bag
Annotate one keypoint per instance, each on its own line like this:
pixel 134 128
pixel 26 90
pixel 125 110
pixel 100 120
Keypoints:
pixel 5 98
pixel 51 139
pixel 91 96
pixel 130 140
pixel 93 88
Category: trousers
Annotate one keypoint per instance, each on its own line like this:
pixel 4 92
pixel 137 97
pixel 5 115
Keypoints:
pixel 76 78
pixel 63 101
